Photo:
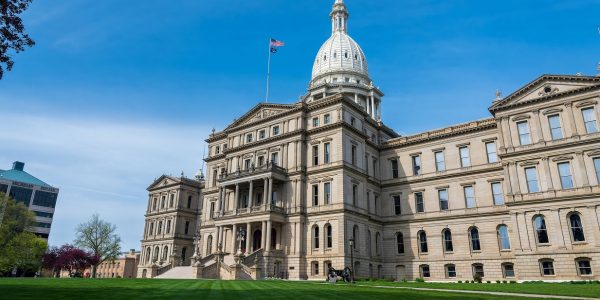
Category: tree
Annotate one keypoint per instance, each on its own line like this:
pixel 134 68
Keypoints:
pixel 100 238
pixel 12 31
pixel 18 248
pixel 70 258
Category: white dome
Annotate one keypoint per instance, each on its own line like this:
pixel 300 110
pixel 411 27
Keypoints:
pixel 340 58
pixel 340 54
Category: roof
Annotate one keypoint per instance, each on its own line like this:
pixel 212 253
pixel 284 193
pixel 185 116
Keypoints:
pixel 22 176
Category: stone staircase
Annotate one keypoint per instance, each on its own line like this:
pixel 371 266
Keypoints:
pixel 184 272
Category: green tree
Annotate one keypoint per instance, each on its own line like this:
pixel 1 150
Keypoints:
pixel 12 31
pixel 18 248
pixel 99 237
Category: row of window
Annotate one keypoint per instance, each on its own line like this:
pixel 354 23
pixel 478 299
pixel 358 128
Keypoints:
pixel 565 174
pixel 443 199
pixel 554 124
pixel 316 235
pixel 575 226
pixel 262 134
pixel 326 193
pixel 163 203
pixel 326 120
pixel 447 241
pixel 166 227
pixel 43 214
pixel 326 154
pixel 440 160
pixel 583 266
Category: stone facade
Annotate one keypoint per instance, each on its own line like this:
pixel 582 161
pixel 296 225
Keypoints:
pixel 511 197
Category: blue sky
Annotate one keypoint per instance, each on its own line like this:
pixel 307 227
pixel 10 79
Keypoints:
pixel 116 93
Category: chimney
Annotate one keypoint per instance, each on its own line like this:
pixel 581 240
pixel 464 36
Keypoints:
pixel 17 165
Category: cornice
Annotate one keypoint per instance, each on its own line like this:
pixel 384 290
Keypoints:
pixel 440 133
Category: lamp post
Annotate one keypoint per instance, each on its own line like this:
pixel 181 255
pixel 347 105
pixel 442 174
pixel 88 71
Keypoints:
pixel 351 240
pixel 241 237
pixel 197 237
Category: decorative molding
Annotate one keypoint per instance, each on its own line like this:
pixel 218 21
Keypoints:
pixel 593 153
pixel 275 149
pixel 529 163
pixel 438 149
pixel 495 179
pixel 552 111
pixel 586 103
pixel 520 118
pixel 442 187
pixel 562 158
pixel 315 142
pixel 417 191
pixel 491 139
pixel 327 139
pixel 463 144
pixel 468 183
pixel 415 153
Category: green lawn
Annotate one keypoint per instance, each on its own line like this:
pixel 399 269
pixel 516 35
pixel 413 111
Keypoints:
pixel 591 290
pixel 206 289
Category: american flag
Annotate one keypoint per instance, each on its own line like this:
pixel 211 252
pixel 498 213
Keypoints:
pixel 276 43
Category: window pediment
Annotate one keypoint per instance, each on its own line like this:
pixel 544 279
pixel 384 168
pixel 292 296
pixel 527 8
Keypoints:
pixel 586 103
pixel 552 111
pixel 529 163
pixel 594 153
pixel 562 157
pixel 521 117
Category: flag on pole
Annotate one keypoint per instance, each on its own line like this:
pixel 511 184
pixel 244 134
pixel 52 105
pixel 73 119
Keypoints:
pixel 275 44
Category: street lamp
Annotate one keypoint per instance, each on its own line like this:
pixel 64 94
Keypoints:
pixel 197 237
pixel 241 237
pixel 351 240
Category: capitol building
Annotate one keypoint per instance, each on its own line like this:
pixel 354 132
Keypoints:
pixel 294 189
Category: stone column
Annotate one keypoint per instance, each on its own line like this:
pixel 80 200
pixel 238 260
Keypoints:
pixel 284 155
pixel 506 129
pixel 250 196
pixel 581 170
pixel 546 171
pixel 237 198
pixel 571 119
pixel 516 186
pixel 268 241
pixel 538 124
pixel 270 195
pixel 265 192
pixel 218 237
pixel 222 200
pixel 500 133
pixel 298 154
pixel 249 237
pixel 263 234
pixel 234 239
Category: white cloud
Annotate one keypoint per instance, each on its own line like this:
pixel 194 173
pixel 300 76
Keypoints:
pixel 101 166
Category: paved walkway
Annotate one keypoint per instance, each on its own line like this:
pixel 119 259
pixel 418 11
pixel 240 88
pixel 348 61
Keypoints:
pixel 476 292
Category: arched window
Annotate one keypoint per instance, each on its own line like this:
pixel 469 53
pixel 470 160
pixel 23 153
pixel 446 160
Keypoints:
pixel 576 228
pixel 159 227
pixel 377 243
pixel 355 235
pixel 165 252
pixel 368 243
pixel 447 234
pixel 168 226
pixel 450 270
pixel 584 266
pixel 474 237
pixel 148 250
pixel 316 237
pixel 183 254
pixel 423 242
pixel 209 241
pixel 329 233
pixel 541 233
pixel 155 254
pixel 424 270
pixel 503 239
pixel 478 270
pixel 399 243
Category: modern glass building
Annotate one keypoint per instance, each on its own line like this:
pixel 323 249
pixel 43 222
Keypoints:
pixel 37 195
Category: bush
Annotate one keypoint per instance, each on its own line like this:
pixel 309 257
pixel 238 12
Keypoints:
pixel 472 281
pixel 460 281
pixel 477 278
pixel 504 281
pixel 487 281
pixel 404 280
pixel 512 281
pixel 419 279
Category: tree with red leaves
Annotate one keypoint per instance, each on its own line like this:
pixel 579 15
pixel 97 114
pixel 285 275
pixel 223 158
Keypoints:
pixel 69 258
pixel 12 31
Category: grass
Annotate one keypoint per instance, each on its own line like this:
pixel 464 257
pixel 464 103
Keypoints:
pixel 113 289
pixel 591 290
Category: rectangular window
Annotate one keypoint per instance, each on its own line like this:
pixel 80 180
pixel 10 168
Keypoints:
pixel 555 128
pixel 275 158
pixel 394 163
pixel 425 271
pixel 465 160
pixel 470 196
pixel 353 155
pixel 247 163
pixel 327 119
pixel 443 197
pixel 327 188
pixel 589 119
pixel 419 204
pixel 327 152
pixel 508 270
pixel 547 268
pixel 532 180
pixel 524 136
pixel 440 164
pixel 584 267
pixel 249 138
pixel 315 194
pixel 45 199
pixel 186 228
pixel 217 150
pixel 315 122
pixel 450 271
pixel 276 130
pixel 315 150
pixel 262 134
pixel 492 155
pixel 497 193
pixel 397 205
pixel 566 179
pixel 354 194
pixel 261 160
pixel 597 167
pixel 416 165
pixel 21 195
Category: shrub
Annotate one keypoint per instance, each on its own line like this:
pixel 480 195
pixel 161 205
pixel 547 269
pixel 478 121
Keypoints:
pixel 477 278
pixel 419 279
pixel 460 281
pixel 487 281
pixel 513 281
pixel 472 281
pixel 404 280
pixel 504 281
